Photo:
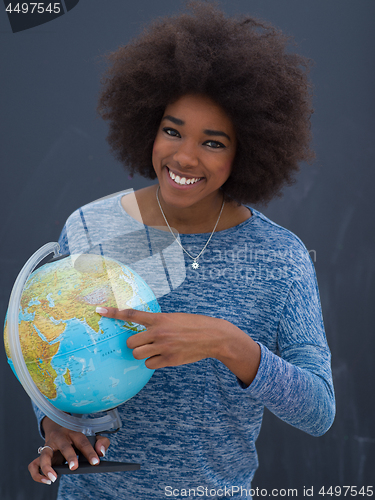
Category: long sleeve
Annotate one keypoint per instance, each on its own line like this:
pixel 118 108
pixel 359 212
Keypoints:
pixel 297 385
pixel 39 416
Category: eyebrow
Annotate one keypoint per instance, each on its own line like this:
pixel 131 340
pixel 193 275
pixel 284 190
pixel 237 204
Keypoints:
pixel 172 119
pixel 177 121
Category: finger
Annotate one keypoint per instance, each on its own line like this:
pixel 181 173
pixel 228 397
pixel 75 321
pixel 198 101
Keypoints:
pixel 34 469
pixel 155 362
pixel 66 449
pixel 145 351
pixel 82 444
pixel 130 315
pixel 101 445
pixel 140 339
pixel 45 464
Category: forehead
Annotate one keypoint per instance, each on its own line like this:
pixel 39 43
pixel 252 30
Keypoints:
pixel 199 110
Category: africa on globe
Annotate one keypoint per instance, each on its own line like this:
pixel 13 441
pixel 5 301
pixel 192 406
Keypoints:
pixel 78 359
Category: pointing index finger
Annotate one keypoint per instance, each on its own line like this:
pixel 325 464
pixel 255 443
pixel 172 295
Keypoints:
pixel 130 315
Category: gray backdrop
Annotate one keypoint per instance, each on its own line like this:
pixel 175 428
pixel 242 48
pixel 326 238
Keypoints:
pixel 54 158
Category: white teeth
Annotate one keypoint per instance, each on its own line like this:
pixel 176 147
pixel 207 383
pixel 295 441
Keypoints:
pixel 182 180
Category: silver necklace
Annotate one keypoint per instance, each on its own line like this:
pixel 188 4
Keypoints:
pixel 194 264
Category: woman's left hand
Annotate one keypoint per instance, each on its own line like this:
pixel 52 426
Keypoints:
pixel 172 339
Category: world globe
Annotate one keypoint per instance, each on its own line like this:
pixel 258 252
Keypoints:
pixel 78 359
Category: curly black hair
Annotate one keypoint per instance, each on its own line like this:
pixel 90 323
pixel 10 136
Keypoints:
pixel 243 65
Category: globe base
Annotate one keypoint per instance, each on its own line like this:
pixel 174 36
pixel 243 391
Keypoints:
pixel 87 468
pixel 84 467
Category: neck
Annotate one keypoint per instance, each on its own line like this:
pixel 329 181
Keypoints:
pixel 198 218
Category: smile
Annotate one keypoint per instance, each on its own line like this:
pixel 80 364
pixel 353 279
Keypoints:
pixel 182 181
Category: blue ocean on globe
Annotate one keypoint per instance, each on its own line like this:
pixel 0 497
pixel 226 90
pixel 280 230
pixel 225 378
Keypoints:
pixel 78 359
pixel 103 371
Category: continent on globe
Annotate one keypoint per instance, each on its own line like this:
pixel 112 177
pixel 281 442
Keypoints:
pixel 78 359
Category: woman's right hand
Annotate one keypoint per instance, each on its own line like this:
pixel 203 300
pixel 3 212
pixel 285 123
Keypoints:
pixel 61 446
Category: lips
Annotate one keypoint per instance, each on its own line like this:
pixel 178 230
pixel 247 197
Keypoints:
pixel 183 180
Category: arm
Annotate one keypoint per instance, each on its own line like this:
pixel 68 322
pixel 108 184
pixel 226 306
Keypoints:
pixel 293 392
pixel 296 386
pixel 173 339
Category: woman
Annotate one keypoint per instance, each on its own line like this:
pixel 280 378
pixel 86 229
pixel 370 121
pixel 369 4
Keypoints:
pixel 218 112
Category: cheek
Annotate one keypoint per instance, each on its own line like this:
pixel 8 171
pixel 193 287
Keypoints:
pixel 229 165
pixel 230 162
pixel 155 153
pixel 227 168
pixel 159 148
pixel 154 148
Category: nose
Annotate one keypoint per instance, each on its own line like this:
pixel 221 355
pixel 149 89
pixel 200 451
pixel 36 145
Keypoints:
pixel 186 154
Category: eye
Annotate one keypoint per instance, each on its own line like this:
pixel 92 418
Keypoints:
pixel 214 144
pixel 171 131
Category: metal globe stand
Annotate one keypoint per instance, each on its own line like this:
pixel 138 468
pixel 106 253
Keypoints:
pixel 110 422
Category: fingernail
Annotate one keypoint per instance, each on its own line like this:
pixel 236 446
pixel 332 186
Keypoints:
pixel 46 481
pixel 52 477
pixel 94 461
pixel 71 465
pixel 101 310
pixel 102 451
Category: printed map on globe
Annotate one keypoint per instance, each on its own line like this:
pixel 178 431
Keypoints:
pixel 78 359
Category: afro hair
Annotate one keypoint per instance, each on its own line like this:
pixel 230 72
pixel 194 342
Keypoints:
pixel 242 64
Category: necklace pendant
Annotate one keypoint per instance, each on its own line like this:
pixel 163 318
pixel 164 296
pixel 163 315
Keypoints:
pixel 194 264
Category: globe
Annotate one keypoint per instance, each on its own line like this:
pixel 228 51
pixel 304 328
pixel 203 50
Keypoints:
pixel 78 359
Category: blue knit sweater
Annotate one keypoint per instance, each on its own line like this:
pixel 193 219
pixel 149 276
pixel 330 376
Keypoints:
pixel 195 426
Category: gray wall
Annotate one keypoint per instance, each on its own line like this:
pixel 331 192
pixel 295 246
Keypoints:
pixel 54 158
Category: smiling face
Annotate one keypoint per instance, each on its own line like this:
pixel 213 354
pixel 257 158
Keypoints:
pixel 193 151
